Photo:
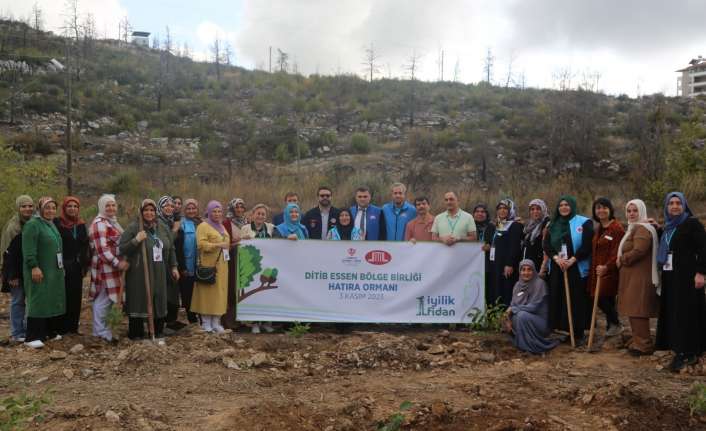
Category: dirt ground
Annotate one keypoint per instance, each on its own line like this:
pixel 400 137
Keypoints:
pixel 325 380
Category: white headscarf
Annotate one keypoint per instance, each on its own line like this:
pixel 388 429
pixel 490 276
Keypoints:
pixel 642 217
pixel 102 203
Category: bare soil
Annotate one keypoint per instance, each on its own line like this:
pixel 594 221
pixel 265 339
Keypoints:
pixel 326 380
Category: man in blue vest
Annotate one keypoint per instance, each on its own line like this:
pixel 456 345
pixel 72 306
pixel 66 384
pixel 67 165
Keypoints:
pixel 320 219
pixel 398 213
pixel 368 218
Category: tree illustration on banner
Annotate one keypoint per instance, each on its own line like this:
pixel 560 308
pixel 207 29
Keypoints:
pixel 249 265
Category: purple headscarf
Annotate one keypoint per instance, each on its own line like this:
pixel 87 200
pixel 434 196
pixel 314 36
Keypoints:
pixel 209 208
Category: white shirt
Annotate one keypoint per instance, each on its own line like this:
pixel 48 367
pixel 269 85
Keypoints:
pixel 324 223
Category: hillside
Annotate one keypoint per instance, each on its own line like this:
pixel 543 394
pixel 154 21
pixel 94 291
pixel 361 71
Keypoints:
pixel 136 106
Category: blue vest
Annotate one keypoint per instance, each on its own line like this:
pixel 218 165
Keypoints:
pixel 576 226
pixel 396 219
pixel 372 224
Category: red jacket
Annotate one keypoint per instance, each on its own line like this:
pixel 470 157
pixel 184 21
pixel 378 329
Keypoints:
pixel 605 252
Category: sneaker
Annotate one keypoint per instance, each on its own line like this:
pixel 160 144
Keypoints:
pixel 218 328
pixel 36 344
pixel 57 338
pixel 17 339
pixel 614 330
pixel 268 328
pixel 256 329
pixel 161 342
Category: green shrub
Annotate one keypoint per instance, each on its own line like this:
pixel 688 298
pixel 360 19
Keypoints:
pixel 360 143
pixel 697 399
pixel 282 153
pixel 18 410
pixel 31 143
pixel 488 320
pixel 126 182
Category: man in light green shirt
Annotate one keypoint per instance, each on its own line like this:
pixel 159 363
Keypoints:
pixel 453 225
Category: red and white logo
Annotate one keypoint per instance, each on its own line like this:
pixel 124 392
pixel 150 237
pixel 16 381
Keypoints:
pixel 378 257
pixel 351 252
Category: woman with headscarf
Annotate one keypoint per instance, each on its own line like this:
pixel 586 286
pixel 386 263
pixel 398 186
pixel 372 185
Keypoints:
pixel 608 233
pixel 235 219
pixel 344 230
pixel 485 229
pixel 11 265
pixel 528 311
pixel 258 227
pixel 533 232
pixel 43 266
pixel 106 264
pixel 291 228
pixel 166 215
pixel 682 254
pixel 161 260
pixel 213 241
pixel 639 277
pixel 568 244
pixel 504 254
pixel 185 246
pixel 77 259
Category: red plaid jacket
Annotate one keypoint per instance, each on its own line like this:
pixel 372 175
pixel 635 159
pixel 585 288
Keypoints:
pixel 105 274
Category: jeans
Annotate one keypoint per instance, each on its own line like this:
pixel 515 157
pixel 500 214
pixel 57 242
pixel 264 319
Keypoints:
pixel 18 325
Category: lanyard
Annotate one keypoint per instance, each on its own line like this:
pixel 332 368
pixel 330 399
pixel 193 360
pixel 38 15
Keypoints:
pixel 669 237
pixel 54 234
pixel 155 238
pixel 453 226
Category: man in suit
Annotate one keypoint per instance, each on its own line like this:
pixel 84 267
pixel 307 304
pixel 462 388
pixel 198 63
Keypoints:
pixel 320 219
pixel 368 218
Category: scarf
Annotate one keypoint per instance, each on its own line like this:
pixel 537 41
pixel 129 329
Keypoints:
pixel 480 225
pixel 559 227
pixel 642 221
pixel 161 203
pixel 503 225
pixel 292 226
pixel 214 224
pixel 533 228
pixel 143 205
pixel 260 233
pixel 113 221
pixel 671 224
pixel 66 221
pixel 531 291
pixel 345 231
pixel 239 221
pixel 13 226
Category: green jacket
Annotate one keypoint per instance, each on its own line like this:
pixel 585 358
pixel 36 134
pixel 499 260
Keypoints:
pixel 41 243
pixel 159 272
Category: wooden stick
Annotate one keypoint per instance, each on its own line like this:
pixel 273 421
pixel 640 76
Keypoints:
pixel 568 307
pixel 148 289
pixel 595 309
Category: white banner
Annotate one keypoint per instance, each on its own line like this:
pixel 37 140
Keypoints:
pixel 359 281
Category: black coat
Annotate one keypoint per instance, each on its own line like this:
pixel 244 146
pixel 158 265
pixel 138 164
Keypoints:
pixel 580 301
pixel 682 317
pixel 75 249
pixel 12 263
pixel 312 221
pixel 534 250
pixel 508 252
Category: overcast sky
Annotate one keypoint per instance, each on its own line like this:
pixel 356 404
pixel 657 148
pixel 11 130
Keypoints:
pixel 633 46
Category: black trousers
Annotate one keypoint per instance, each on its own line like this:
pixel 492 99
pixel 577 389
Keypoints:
pixel 186 290
pixel 43 328
pixel 136 327
pixel 74 294
pixel 607 306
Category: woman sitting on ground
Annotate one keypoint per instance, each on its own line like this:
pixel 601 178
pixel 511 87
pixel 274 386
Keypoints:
pixel 528 313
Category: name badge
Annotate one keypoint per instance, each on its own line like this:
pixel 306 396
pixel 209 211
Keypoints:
pixel 157 253
pixel 668 265
pixel 60 261
pixel 564 253
pixel 226 255
pixel 491 255
pixel 520 293
pixel 609 238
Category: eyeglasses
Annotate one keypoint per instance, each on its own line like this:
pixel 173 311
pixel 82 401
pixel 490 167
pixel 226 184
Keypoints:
pixel 325 195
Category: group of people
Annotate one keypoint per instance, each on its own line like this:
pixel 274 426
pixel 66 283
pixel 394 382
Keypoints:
pixel 543 270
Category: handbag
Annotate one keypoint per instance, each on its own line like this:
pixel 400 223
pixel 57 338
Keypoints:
pixel 206 274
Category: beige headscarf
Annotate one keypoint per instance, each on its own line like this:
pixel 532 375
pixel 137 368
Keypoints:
pixel 642 214
pixel 13 226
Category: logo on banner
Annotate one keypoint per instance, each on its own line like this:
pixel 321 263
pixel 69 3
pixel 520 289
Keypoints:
pixel 378 257
pixel 351 260
pixel 436 306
